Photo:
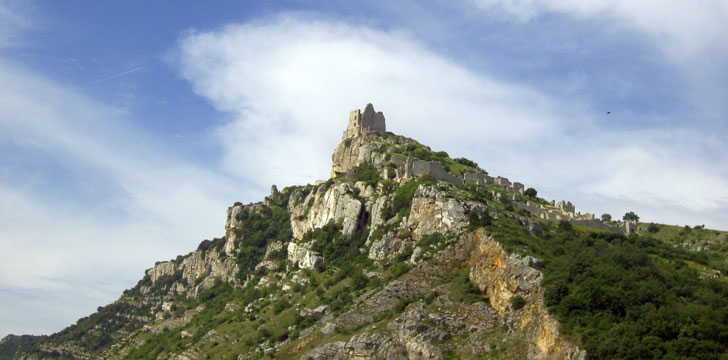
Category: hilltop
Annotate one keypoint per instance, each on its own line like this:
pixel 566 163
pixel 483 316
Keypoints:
pixel 407 253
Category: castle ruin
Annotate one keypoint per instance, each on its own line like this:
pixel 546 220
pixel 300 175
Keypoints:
pixel 363 123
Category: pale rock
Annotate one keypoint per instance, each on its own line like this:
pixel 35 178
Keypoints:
pixel 299 253
pixel 335 203
pixel 432 211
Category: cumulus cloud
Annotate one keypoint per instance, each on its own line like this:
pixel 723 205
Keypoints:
pixel 288 82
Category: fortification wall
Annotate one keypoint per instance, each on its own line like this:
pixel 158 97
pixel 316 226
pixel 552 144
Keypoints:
pixel 434 169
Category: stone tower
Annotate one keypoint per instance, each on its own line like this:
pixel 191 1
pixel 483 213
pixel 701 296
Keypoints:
pixel 363 123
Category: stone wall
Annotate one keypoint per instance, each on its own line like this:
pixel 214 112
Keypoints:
pixel 477 178
pixel 431 168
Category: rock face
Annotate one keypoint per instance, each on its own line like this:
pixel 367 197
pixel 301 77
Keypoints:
pixel 207 266
pixel 300 255
pixel 422 329
pixel 434 211
pixel 352 152
pixel 501 277
pixel 336 202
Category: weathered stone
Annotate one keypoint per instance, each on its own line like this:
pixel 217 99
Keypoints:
pixel 364 123
pixel 433 211
pixel 301 255
pixel 434 169
pixel 335 203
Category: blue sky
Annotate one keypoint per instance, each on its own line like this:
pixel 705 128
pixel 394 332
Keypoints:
pixel 127 128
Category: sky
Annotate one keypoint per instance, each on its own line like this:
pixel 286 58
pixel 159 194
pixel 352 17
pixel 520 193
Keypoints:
pixel 128 128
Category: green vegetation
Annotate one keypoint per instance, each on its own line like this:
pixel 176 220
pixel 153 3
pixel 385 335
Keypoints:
pixel 606 217
pixel 627 297
pixel 531 193
pixel 217 244
pixel 367 173
pixel 630 216
pixel 466 162
pixel 462 289
pixel 402 201
pixel 518 302
pixel 258 229
pixel 479 218
pixel 13 346
pixel 336 248
pixel 653 228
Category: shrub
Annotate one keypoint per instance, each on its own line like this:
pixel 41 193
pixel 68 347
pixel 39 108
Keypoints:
pixel 564 225
pixel 479 218
pixel 367 173
pixel 530 192
pixel 402 201
pixel 280 305
pixel 653 228
pixel 518 302
pixel 467 162
pixel 606 217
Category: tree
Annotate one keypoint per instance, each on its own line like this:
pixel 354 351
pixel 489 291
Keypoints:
pixel 606 217
pixel 631 216
pixel 530 192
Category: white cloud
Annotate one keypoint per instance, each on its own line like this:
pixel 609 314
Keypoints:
pixel 144 203
pixel 288 83
pixel 682 29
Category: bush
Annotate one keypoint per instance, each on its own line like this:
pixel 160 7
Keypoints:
pixel 530 192
pixel 518 302
pixel 281 305
pixel 564 225
pixel 367 173
pixel 652 229
pixel 478 218
pixel 467 162
pixel 606 217
pixel 402 200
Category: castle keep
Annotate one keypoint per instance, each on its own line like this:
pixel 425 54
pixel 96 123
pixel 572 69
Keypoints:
pixel 363 123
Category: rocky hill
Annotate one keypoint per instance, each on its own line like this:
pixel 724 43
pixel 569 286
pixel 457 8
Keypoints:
pixel 406 253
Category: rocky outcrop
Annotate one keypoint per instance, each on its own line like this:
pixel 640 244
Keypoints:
pixel 350 153
pixel 434 211
pixel 501 277
pixel 301 255
pixel 336 202
pixel 386 248
pixel 360 346
pixel 197 271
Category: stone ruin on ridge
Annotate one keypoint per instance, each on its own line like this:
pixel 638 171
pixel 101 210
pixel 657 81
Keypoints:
pixel 370 122
pixel 363 123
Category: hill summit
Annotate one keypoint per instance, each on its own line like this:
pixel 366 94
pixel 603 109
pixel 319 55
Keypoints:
pixel 407 253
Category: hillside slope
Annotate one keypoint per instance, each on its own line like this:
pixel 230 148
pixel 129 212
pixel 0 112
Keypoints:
pixel 406 253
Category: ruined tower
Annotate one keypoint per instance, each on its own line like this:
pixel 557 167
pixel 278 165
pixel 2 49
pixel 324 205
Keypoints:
pixel 363 123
